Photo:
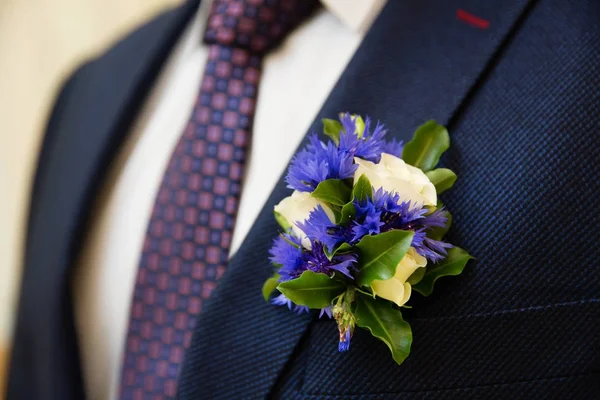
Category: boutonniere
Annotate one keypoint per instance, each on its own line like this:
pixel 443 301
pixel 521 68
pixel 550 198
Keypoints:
pixel 364 228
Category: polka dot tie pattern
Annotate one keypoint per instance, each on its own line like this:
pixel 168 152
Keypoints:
pixel 187 243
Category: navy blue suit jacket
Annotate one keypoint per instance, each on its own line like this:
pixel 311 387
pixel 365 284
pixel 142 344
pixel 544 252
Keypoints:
pixel 522 103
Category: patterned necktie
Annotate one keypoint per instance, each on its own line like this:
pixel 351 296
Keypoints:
pixel 188 238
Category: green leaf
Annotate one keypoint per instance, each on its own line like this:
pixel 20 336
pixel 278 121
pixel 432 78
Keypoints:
pixel 282 221
pixel 362 189
pixel 343 248
pixel 442 179
pixel 347 213
pixel 379 255
pixel 269 286
pixel 314 290
pixel 438 233
pixel 385 323
pixel 333 191
pixel 427 145
pixel 454 264
pixel 332 128
pixel 416 276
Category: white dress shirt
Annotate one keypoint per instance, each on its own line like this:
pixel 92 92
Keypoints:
pixel 297 78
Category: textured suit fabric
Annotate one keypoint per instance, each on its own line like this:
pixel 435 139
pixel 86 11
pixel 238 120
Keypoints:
pixel 521 102
pixel 522 321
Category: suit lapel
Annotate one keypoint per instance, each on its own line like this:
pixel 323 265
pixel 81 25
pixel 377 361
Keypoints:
pixel 90 120
pixel 419 61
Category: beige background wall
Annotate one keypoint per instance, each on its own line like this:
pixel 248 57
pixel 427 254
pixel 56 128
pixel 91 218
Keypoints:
pixel 41 41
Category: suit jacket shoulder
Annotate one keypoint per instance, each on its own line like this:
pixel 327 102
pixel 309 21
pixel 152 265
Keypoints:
pixel 89 122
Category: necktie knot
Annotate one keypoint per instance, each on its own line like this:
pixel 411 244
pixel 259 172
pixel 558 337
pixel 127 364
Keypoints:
pixel 255 25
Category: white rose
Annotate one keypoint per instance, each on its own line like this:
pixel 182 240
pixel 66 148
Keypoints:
pixel 394 175
pixel 396 288
pixel 297 208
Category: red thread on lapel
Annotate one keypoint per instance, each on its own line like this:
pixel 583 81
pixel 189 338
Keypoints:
pixel 471 19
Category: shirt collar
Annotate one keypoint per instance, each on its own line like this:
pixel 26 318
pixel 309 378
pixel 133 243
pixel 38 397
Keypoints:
pixel 355 14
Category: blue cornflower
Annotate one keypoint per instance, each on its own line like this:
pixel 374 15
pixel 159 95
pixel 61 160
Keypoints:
pixel 434 250
pixel 370 223
pixel 318 162
pixel 397 214
pixel 371 143
pixel 381 213
pixel 282 300
pixel 294 259
pixel 344 344
pixel 419 239
pixel 409 216
pixel 385 211
pixel 317 261
pixel 394 148
pixel 438 218
pixel 318 227
pixel 369 146
pixel 326 311
pixel 388 202
pixel 286 251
